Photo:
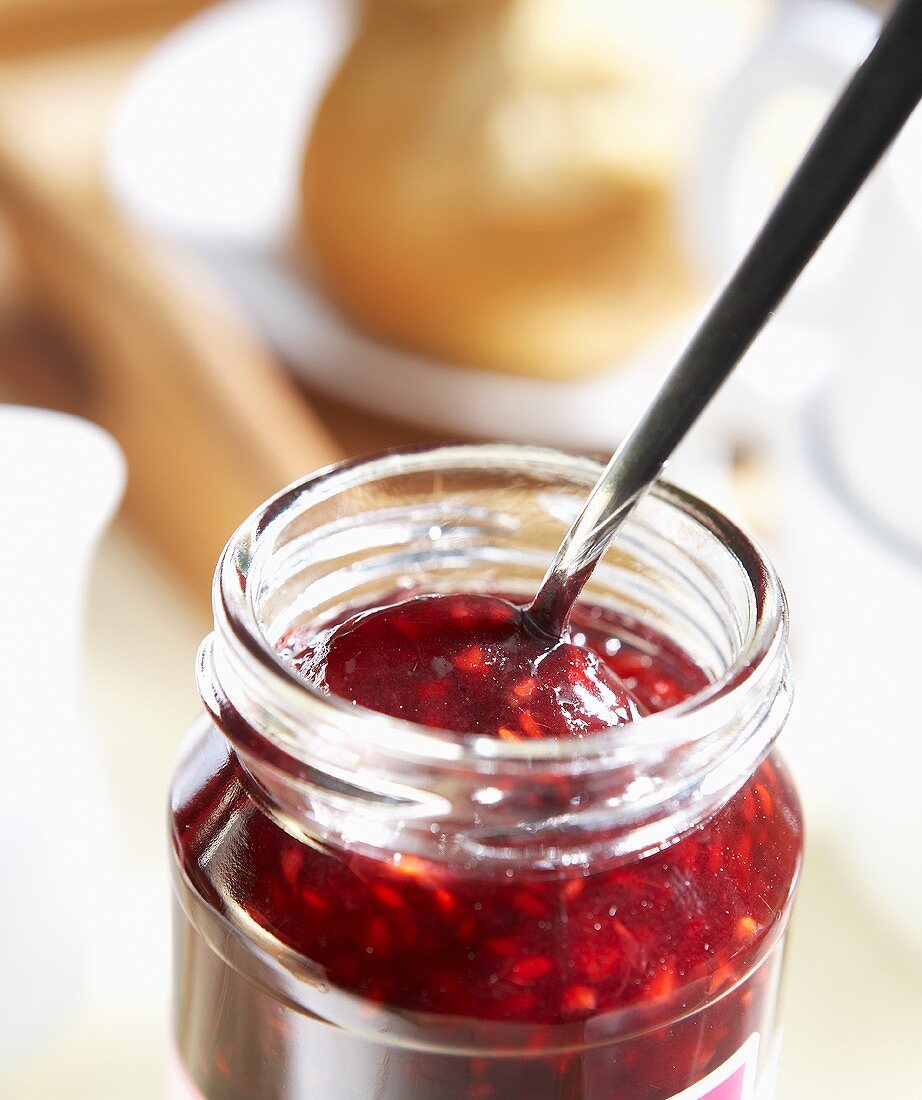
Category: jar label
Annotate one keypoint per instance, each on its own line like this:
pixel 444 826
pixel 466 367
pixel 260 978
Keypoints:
pixel 179 1085
pixel 734 1080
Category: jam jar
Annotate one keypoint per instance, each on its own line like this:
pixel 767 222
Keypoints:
pixel 370 907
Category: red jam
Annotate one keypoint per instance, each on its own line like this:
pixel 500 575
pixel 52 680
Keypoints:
pixel 671 941
pixel 468 664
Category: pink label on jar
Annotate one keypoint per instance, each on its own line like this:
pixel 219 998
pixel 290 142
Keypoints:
pixel 734 1080
pixel 179 1085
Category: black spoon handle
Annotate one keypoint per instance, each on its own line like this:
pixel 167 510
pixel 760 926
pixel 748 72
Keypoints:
pixel 868 115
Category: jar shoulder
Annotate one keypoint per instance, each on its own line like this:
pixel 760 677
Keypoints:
pixel 690 921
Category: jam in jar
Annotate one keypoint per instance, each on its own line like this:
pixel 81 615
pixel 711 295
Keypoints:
pixel 419 856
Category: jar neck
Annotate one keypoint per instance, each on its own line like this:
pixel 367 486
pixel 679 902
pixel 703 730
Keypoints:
pixel 475 518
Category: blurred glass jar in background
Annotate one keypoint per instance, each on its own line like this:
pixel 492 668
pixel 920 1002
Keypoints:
pixel 359 900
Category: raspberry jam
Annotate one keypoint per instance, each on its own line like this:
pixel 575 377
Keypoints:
pixel 469 664
pixel 538 928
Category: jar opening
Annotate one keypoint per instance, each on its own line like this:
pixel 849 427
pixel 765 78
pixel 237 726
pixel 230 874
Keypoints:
pixel 489 517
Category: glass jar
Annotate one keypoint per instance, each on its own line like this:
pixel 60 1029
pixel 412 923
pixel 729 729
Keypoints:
pixel 368 908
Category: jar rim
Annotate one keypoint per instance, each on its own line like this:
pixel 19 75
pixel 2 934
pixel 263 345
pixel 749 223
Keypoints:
pixel 246 647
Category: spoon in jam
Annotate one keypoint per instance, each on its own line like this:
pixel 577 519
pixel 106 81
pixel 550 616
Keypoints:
pixel 481 664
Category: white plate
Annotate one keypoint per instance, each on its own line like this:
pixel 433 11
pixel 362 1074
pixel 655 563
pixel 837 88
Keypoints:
pixel 206 146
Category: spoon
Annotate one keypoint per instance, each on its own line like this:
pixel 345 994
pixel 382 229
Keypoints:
pixel 868 115
pixel 445 643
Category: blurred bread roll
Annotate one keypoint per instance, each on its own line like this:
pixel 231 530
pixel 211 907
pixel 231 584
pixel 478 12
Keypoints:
pixel 489 182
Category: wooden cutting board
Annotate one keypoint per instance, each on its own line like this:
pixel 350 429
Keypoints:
pixel 29 26
pixel 118 328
